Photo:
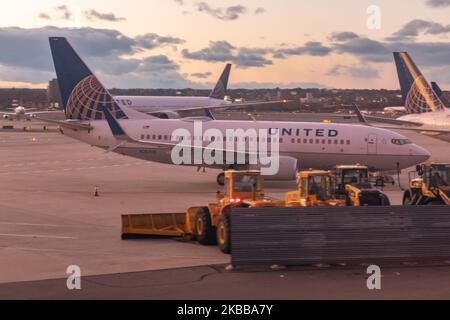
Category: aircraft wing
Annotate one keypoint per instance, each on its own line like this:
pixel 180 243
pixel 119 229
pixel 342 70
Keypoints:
pixel 43 112
pixel 418 126
pixel 234 105
pixel 393 121
pixel 71 124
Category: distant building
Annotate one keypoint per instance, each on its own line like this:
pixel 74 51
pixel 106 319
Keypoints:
pixel 53 93
pixel 309 98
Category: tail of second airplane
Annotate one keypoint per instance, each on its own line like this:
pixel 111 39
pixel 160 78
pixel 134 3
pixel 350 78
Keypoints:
pixel 220 90
pixel 84 97
pixel 440 94
pixel 418 96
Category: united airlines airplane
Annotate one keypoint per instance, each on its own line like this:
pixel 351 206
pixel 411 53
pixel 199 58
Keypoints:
pixel 426 105
pixel 97 118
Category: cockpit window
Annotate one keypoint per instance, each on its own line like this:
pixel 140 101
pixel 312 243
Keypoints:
pixel 401 142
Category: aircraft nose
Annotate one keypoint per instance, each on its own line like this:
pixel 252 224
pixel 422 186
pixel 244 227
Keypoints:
pixel 419 153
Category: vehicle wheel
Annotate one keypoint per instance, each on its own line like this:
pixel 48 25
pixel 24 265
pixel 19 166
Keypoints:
pixel 385 200
pixel 221 179
pixel 224 234
pixel 348 201
pixel 203 228
pixel 435 203
pixel 128 236
pixel 407 200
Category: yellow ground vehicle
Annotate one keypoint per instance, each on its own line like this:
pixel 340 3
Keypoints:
pixel 315 189
pixel 207 224
pixel 353 184
pixel 431 187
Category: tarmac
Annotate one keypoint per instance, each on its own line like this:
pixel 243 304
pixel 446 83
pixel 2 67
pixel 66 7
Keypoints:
pixel 50 219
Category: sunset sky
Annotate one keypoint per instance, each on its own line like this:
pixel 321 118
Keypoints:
pixel 186 43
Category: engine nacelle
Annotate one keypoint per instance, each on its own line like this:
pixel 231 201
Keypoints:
pixel 166 115
pixel 288 168
pixel 5 116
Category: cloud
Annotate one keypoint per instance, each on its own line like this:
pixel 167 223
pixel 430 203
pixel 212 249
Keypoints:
pixel 365 48
pixel 310 48
pixel 225 14
pixel 65 12
pixel 260 10
pixel 158 64
pixel 201 75
pixel 416 27
pixel 105 51
pixel 343 36
pixel 95 15
pixel 223 51
pixel 353 71
pixel 438 3
pixel 153 40
pixel 44 16
pixel 368 50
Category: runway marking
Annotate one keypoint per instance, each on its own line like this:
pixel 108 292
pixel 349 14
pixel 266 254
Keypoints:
pixel 35 236
pixel 30 224
pixel 75 169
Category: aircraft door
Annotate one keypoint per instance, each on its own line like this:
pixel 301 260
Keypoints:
pixel 372 143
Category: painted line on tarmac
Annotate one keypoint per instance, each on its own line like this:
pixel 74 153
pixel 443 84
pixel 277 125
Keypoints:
pixel 35 236
pixel 29 224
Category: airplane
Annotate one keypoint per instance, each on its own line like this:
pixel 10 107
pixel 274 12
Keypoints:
pixel 168 107
pixel 436 89
pixel 425 104
pixel 95 117
pixel 440 93
pixel 20 112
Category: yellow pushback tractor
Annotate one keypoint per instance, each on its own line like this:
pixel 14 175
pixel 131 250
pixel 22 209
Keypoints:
pixel 208 224
pixel 430 186
pixel 315 188
pixel 353 184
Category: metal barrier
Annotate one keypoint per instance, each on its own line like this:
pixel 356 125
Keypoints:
pixel 299 236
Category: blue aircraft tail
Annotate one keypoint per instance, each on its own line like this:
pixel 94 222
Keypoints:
pixel 440 94
pixel 418 96
pixel 220 90
pixel 83 96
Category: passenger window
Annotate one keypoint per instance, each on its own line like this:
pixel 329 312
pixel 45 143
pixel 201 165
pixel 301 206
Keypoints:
pixel 142 137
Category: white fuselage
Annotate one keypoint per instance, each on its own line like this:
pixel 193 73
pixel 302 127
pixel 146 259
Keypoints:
pixel 436 120
pixel 314 145
pixel 167 103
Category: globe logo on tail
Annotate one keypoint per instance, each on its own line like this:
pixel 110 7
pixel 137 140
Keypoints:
pixel 421 98
pixel 87 100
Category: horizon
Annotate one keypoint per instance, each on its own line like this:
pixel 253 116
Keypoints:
pixel 186 43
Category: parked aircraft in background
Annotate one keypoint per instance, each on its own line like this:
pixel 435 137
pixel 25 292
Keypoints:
pixel 22 113
pixel 425 104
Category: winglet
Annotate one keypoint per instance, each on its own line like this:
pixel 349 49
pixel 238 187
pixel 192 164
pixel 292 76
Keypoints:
pixel 220 90
pixel 359 114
